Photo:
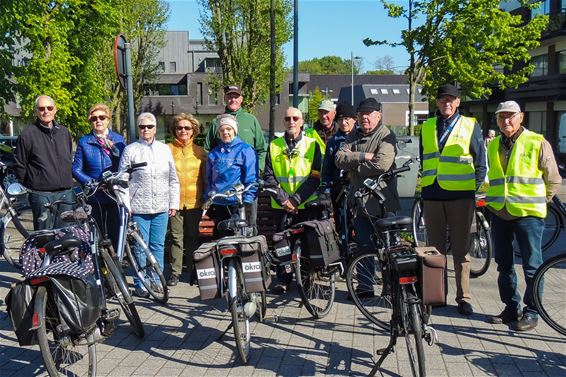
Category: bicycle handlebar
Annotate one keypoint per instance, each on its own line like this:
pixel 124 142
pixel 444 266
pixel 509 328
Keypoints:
pixel 374 185
pixel 236 191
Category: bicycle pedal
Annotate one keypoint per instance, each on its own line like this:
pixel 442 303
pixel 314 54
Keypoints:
pixel 431 335
pixel 112 315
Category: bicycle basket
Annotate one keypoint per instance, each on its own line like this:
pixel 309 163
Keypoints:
pixel 20 302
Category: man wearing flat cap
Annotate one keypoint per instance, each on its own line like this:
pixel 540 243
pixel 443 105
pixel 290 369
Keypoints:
pixel 323 129
pixel 368 151
pixel 249 130
pixel 453 163
pixel 523 178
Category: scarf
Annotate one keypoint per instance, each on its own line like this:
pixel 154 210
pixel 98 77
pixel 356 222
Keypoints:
pixel 107 145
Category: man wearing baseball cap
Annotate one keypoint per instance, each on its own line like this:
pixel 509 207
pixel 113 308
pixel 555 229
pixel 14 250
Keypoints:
pixel 325 126
pixel 453 163
pixel 523 178
pixel 368 151
pixel 249 130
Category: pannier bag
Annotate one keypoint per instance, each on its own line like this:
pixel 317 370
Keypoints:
pixel 321 242
pixel 20 303
pixel 208 271
pixel 432 270
pixel 282 247
pixel 257 276
pixel 75 293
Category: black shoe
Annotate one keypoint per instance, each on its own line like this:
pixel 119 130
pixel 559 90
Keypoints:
pixel 505 317
pixel 526 323
pixel 141 292
pixel 173 280
pixel 280 288
pixel 465 308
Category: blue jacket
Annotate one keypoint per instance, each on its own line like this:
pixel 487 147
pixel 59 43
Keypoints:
pixel 228 164
pixel 91 161
pixel 330 173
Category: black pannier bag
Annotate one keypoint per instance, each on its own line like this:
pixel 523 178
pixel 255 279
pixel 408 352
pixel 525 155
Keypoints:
pixel 321 242
pixel 208 271
pixel 75 293
pixel 282 247
pixel 20 302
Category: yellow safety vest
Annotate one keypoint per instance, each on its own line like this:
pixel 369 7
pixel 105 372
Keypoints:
pixel 312 133
pixel 521 189
pixel 454 167
pixel 292 171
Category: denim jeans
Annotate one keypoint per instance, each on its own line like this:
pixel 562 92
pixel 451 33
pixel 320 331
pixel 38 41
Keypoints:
pixel 152 228
pixel 42 217
pixel 527 231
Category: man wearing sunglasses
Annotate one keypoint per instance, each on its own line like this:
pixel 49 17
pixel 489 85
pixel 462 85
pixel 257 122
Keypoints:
pixel 44 162
pixel 293 166
pixel 523 178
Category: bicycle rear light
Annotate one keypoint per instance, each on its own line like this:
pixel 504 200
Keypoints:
pixel 38 280
pixel 34 321
pixel 297 230
pixel 407 280
pixel 228 251
pixel 480 203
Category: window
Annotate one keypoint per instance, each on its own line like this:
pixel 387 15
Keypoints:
pixel 536 121
pixel 562 61
pixel 384 91
pixel 541 65
pixel 212 97
pixel 396 91
pixel 161 67
pixel 373 91
pixel 199 93
pixel 172 67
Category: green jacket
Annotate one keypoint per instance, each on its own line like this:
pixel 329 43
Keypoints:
pixel 249 130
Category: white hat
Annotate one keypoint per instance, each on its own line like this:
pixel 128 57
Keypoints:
pixel 508 107
pixel 227 120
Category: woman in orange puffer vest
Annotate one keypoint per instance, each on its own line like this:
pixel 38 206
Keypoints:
pixel 190 162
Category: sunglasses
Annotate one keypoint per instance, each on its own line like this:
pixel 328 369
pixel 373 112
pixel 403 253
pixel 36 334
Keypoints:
pixel 146 126
pixel 186 128
pixel 43 108
pixel 94 118
pixel 294 117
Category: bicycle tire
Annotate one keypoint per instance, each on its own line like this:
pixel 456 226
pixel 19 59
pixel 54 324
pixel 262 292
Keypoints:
pixel 481 249
pixel 240 322
pixel 552 227
pixel 150 275
pixel 317 290
pixel 551 305
pixel 419 228
pixel 120 290
pixel 412 325
pixel 377 308
pixel 58 354
pixel 15 230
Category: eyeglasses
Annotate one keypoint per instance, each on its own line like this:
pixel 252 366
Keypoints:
pixel 509 118
pixel 146 126
pixel 94 118
pixel 294 117
pixel 186 128
pixel 48 108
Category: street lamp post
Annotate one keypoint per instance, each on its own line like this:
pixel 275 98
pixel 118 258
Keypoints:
pixel 352 57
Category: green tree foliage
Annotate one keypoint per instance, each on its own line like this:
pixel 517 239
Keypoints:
pixel 472 42
pixel 329 65
pixel 67 51
pixel 315 97
pixel 380 72
pixel 240 31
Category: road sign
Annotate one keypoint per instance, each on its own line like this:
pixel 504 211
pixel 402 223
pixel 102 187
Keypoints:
pixel 120 59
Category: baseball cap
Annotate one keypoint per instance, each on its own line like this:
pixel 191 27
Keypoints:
pixel 232 89
pixel 326 105
pixel 369 104
pixel 448 90
pixel 508 107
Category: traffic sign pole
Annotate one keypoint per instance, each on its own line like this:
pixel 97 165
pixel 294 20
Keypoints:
pixel 130 95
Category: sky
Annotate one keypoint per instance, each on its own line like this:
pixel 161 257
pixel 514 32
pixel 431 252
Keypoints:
pixel 326 27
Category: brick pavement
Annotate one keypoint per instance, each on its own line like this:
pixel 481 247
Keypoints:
pixel 181 340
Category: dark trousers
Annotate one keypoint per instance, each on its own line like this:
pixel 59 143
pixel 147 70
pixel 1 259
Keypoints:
pixel 108 219
pixel 184 228
pixel 42 217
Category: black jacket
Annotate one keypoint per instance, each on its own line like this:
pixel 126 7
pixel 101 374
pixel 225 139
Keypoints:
pixel 44 158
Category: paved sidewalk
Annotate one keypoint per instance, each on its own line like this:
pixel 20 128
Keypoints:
pixel 181 340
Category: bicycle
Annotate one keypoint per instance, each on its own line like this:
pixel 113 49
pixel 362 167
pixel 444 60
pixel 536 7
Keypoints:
pixel 16 224
pixel 130 241
pixel 235 257
pixel 554 223
pixel 551 305
pixel 393 269
pixel 480 249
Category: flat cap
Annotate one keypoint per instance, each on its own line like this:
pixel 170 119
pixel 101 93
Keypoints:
pixel 369 104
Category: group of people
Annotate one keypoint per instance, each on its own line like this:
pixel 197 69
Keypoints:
pixel 343 145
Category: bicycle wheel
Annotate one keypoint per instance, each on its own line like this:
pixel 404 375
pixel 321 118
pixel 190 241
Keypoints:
pixel 240 321
pixel 419 229
pixel 119 289
pixel 149 272
pixel 316 287
pixel 15 230
pixel 480 250
pixel 552 227
pixel 412 325
pixel 370 294
pixel 551 305
pixel 60 354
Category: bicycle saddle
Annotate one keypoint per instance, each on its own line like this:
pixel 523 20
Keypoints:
pixel 61 246
pixel 393 222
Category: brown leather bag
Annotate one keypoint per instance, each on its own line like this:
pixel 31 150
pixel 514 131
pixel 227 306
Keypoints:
pixel 432 268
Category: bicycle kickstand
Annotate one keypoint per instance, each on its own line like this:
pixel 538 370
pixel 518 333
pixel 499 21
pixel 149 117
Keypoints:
pixel 384 352
pixel 225 331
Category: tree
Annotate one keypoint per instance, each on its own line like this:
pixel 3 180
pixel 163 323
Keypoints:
pixel 315 97
pixel 380 72
pixel 385 63
pixel 471 42
pixel 239 30
pixel 329 65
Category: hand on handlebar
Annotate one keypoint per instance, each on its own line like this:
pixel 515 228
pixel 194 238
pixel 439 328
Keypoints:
pixel 289 207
